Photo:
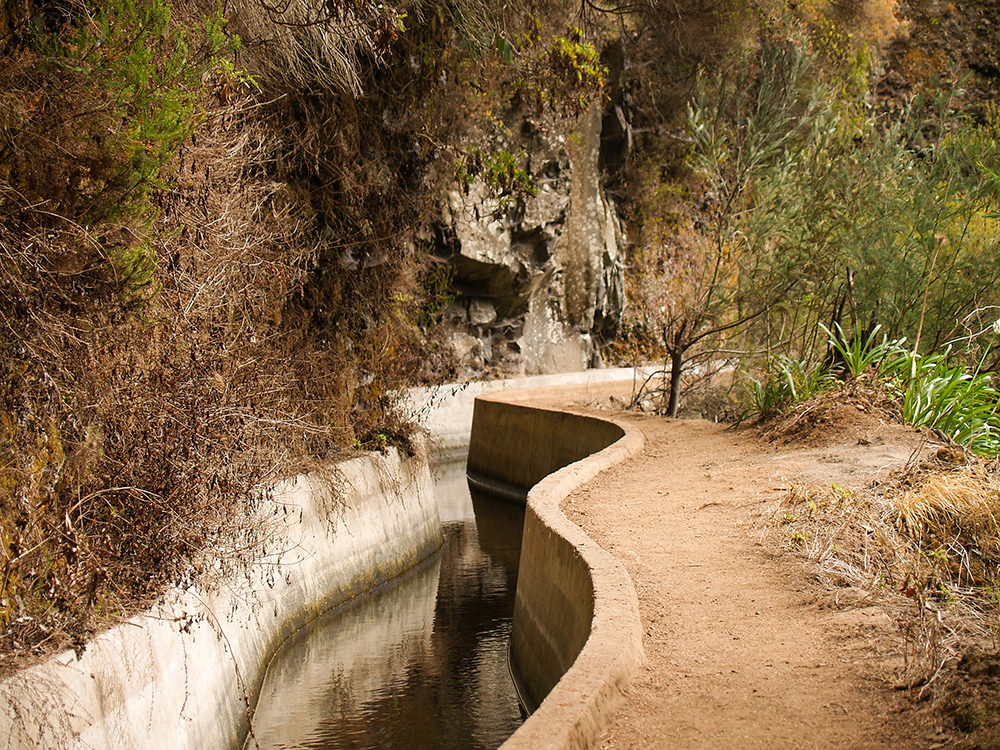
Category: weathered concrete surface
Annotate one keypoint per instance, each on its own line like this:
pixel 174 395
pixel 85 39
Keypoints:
pixel 446 411
pixel 522 445
pixel 577 638
pixel 185 674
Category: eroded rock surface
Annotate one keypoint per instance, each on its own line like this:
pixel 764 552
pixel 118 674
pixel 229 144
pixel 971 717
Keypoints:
pixel 540 280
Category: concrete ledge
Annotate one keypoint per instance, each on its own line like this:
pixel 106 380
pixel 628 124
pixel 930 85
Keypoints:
pixel 185 675
pixel 577 637
pixel 446 410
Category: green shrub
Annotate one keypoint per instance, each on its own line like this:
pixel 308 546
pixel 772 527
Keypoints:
pixel 783 383
pixel 861 353
pixel 822 212
pixel 576 67
pixel 935 392
pixel 505 181
pixel 577 61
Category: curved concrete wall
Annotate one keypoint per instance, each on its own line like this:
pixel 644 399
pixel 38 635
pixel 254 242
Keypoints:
pixel 577 638
pixel 447 410
pixel 521 445
pixel 184 675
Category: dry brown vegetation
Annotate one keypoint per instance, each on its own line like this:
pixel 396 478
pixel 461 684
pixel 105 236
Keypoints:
pixel 234 294
pixel 186 316
pixel 209 275
pixel 922 543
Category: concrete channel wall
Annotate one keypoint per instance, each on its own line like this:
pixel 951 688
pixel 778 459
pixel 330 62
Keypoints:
pixel 577 637
pixel 183 676
pixel 447 410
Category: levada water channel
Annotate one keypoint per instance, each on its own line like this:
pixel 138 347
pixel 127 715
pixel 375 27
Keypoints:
pixel 421 663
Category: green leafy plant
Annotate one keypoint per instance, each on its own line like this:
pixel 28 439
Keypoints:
pixel 745 127
pixel 500 173
pixel 962 405
pixel 936 391
pixel 136 265
pixel 571 73
pixel 130 81
pixel 577 61
pixel 436 294
pixel 766 397
pixel 798 539
pixel 820 213
pixel 784 382
pixel 861 351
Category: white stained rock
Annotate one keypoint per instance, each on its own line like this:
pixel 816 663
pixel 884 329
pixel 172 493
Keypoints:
pixel 550 346
pixel 481 236
pixel 482 312
pixel 545 211
pixel 467 348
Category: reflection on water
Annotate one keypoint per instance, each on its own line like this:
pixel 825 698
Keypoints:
pixel 420 664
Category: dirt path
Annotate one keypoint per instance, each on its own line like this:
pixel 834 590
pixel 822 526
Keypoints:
pixel 743 649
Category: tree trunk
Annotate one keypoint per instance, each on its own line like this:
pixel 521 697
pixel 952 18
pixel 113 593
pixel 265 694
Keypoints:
pixel 676 345
pixel 676 364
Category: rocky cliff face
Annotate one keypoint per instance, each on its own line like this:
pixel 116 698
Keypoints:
pixel 540 283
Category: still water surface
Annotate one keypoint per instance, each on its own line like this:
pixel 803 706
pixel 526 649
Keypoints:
pixel 422 663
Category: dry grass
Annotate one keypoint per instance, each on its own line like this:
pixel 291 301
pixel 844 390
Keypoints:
pixel 957 512
pixel 163 360
pixel 925 543
pixel 145 407
pixel 312 46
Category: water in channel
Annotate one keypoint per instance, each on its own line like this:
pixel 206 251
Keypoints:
pixel 421 663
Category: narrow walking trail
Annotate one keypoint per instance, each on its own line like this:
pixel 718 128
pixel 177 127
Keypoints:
pixel 744 648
